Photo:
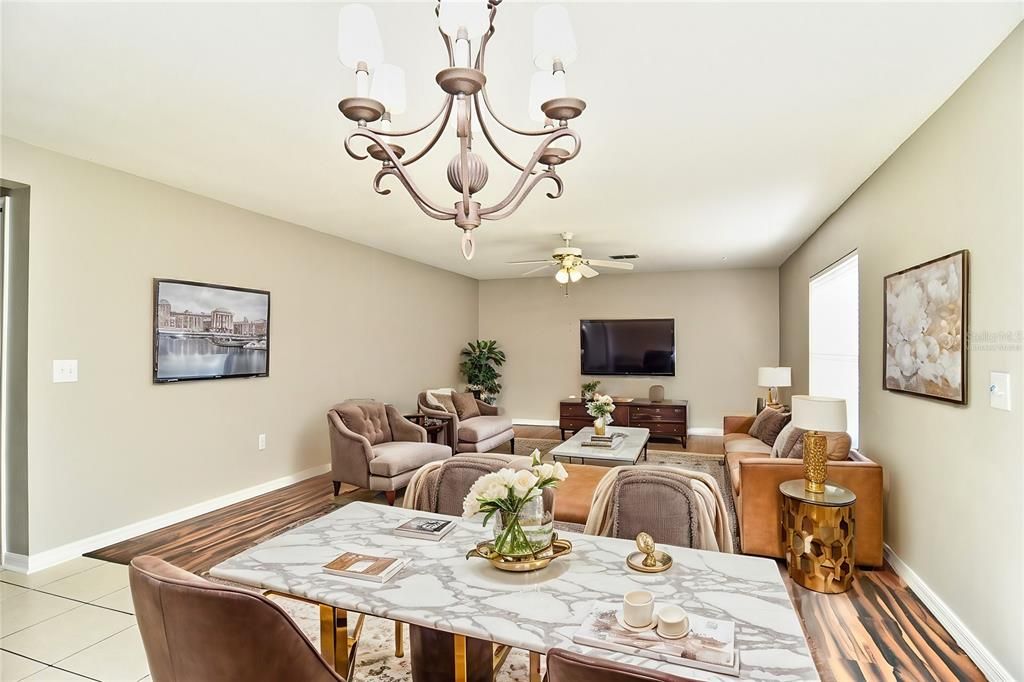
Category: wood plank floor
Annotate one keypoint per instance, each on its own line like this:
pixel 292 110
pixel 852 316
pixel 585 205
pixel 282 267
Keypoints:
pixel 879 630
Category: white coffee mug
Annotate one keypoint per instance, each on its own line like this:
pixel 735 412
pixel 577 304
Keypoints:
pixel 672 621
pixel 638 608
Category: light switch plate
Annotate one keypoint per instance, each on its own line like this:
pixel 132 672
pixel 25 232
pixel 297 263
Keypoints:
pixel 65 371
pixel 261 442
pixel 999 390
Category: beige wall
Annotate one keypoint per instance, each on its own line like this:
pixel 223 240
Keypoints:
pixel 112 449
pixel 954 473
pixel 726 326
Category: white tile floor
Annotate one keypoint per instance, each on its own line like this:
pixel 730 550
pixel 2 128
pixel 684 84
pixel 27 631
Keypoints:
pixel 74 621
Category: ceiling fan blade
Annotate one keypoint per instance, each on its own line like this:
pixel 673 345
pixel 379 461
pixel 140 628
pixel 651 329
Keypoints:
pixel 543 267
pixel 608 264
pixel 546 261
pixel 587 271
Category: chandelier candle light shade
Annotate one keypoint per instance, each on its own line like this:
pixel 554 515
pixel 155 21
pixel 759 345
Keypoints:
pixel 465 26
pixel 817 414
pixel 773 378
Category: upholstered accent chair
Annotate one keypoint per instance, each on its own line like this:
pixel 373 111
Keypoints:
pixel 474 434
pixel 440 489
pixel 677 507
pixel 567 666
pixel 375 447
pixel 197 631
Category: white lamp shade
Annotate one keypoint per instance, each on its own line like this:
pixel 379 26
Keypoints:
pixel 358 37
pixel 562 276
pixel 388 87
pixel 553 38
pixel 774 376
pixel 471 15
pixel 544 86
pixel 815 413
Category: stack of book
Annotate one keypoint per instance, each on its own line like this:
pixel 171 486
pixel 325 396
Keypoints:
pixel 609 441
pixel 378 569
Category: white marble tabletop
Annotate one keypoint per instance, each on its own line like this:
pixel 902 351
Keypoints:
pixel 537 611
pixel 628 451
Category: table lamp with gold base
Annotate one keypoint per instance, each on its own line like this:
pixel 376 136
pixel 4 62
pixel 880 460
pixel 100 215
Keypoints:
pixel 773 378
pixel 817 414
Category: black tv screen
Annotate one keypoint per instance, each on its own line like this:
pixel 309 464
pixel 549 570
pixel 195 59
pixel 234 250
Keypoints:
pixel 642 347
pixel 209 331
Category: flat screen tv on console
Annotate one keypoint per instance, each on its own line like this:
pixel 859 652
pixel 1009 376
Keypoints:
pixel 628 347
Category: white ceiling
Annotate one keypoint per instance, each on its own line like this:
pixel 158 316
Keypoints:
pixel 713 131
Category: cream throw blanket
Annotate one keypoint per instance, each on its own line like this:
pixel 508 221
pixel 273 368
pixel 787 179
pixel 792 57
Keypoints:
pixel 416 488
pixel 714 531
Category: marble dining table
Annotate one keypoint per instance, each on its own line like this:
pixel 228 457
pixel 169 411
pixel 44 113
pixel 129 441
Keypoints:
pixel 442 590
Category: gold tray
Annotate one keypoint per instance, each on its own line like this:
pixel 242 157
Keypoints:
pixel 521 564
pixel 663 562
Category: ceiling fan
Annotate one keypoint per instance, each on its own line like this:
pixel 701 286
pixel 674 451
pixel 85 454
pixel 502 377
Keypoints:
pixel 571 264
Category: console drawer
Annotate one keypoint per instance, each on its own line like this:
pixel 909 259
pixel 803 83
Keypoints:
pixel 573 410
pixel 661 428
pixel 656 414
pixel 569 424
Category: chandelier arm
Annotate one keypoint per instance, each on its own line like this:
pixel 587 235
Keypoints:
pixel 559 187
pixel 400 171
pixel 490 139
pixel 424 206
pixel 412 131
pixel 447 111
pixel 525 175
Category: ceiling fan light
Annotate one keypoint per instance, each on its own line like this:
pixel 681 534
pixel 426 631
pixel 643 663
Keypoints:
pixel 575 275
pixel 358 37
pixel 388 88
pixel 562 276
pixel 471 15
pixel 553 37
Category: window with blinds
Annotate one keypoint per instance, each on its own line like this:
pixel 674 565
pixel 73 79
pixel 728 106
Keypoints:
pixel 833 344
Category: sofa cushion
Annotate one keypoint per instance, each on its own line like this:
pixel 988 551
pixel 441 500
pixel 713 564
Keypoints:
pixel 368 419
pixel 787 440
pixel 574 494
pixel 392 459
pixel 741 442
pixel 441 399
pixel 733 459
pixel 480 428
pixel 767 425
pixel 837 447
pixel 465 405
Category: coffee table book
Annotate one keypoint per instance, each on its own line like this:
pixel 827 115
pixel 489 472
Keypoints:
pixel 425 528
pixel 711 644
pixel 378 569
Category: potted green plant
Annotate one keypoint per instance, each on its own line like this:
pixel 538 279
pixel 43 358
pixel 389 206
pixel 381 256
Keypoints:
pixel 480 362
pixel 589 389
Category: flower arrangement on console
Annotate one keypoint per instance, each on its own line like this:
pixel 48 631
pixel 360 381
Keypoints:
pixel 509 494
pixel 601 408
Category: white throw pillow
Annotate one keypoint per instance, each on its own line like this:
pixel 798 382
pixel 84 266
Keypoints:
pixel 433 402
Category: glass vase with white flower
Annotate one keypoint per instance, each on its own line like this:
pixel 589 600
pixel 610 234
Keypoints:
pixel 516 498
pixel 601 408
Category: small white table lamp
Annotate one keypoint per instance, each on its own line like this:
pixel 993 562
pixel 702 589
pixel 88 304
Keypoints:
pixel 772 378
pixel 816 414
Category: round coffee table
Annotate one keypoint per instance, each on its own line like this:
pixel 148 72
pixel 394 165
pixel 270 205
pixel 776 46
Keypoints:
pixel 818 535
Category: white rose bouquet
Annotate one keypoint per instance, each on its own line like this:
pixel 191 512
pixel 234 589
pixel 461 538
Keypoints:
pixel 506 492
pixel 601 407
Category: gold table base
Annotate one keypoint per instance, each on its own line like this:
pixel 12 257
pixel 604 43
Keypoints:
pixel 819 545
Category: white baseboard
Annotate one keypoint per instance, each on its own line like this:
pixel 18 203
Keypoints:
pixel 51 557
pixel 535 422
pixel 981 656
pixel 703 431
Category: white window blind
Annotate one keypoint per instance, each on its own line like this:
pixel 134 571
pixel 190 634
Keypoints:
pixel 833 344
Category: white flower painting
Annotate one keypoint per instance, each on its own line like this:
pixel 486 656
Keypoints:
pixel 925 319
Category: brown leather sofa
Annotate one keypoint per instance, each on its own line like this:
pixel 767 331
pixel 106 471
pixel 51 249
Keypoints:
pixel 755 476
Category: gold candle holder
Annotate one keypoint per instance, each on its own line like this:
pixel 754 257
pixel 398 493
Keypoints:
pixel 815 461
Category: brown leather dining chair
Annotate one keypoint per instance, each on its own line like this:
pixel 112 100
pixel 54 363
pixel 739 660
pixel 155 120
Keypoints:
pixel 566 666
pixel 194 630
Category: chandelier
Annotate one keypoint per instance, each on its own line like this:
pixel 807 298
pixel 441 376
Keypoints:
pixel 380 95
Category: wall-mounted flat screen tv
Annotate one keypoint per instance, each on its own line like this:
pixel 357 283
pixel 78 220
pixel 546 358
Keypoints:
pixel 209 331
pixel 628 347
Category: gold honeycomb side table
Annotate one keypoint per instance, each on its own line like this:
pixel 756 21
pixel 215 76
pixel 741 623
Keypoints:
pixel 817 532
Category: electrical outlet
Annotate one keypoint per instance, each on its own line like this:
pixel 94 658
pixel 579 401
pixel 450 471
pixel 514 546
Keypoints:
pixel 65 371
pixel 263 441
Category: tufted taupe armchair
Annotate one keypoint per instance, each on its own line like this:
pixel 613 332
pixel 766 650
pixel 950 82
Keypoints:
pixel 375 447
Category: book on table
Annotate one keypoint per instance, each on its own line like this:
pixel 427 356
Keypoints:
pixel 425 528
pixel 606 444
pixel 378 569
pixel 710 645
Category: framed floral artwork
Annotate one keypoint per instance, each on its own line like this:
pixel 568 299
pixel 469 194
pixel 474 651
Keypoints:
pixel 926 329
